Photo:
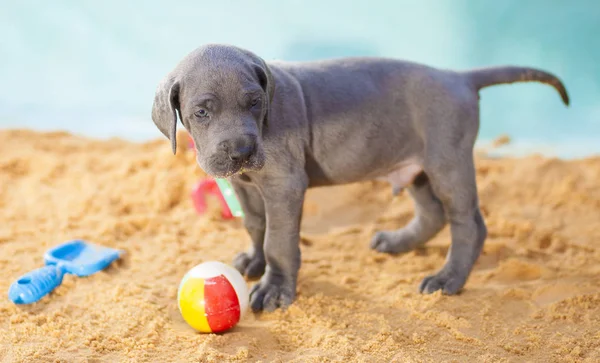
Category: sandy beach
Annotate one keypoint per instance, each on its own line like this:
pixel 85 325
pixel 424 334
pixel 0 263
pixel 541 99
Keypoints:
pixel 534 295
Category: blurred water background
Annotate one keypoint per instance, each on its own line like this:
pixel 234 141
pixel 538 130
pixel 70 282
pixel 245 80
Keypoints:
pixel 91 67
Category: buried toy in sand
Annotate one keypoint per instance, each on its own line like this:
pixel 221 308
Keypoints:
pixel 220 188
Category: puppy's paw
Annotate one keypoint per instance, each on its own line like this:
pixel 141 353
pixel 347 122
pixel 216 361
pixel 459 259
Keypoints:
pixel 450 283
pixel 270 294
pixel 251 265
pixel 393 242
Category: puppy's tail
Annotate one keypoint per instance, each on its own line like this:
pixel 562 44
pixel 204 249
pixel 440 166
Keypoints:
pixel 485 77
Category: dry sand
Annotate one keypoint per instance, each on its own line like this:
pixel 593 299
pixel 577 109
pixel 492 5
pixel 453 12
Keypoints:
pixel 533 296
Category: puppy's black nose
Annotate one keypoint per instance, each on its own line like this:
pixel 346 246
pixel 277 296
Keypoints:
pixel 242 153
pixel 241 150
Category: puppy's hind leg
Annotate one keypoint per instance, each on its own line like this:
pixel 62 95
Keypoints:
pixel 451 169
pixel 429 219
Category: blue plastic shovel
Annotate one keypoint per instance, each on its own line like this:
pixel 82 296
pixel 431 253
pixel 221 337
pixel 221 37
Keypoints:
pixel 76 257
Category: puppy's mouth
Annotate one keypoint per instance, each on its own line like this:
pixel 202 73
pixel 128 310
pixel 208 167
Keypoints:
pixel 221 170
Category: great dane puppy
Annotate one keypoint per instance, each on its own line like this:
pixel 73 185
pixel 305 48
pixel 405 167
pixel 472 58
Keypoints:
pixel 275 129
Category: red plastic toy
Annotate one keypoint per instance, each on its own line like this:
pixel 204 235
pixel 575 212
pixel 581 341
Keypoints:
pixel 208 187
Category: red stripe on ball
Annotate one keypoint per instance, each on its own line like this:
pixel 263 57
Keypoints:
pixel 221 303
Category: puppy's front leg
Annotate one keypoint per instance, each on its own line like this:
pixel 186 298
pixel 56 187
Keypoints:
pixel 252 262
pixel 284 198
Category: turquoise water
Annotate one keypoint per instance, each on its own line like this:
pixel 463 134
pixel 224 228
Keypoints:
pixel 91 67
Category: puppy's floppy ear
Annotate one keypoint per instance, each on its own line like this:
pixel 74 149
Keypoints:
pixel 165 108
pixel 268 85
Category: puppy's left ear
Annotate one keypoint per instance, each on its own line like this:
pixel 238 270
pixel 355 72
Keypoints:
pixel 165 108
pixel 268 85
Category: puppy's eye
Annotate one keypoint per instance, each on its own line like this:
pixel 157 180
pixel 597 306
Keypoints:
pixel 255 102
pixel 201 113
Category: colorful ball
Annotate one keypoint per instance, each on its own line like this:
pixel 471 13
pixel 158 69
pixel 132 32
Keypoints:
pixel 212 297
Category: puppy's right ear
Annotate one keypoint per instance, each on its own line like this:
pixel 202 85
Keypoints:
pixel 165 108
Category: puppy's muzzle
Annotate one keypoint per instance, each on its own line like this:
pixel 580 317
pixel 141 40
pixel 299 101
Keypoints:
pixel 238 150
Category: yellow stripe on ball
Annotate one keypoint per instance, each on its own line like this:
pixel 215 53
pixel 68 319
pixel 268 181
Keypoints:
pixel 191 304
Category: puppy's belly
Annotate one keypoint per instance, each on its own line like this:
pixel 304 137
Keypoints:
pixel 402 175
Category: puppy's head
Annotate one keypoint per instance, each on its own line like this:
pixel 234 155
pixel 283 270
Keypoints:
pixel 222 95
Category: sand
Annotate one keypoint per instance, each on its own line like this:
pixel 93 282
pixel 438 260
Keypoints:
pixel 534 295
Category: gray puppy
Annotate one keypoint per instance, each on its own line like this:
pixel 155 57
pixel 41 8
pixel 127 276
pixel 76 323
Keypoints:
pixel 275 129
